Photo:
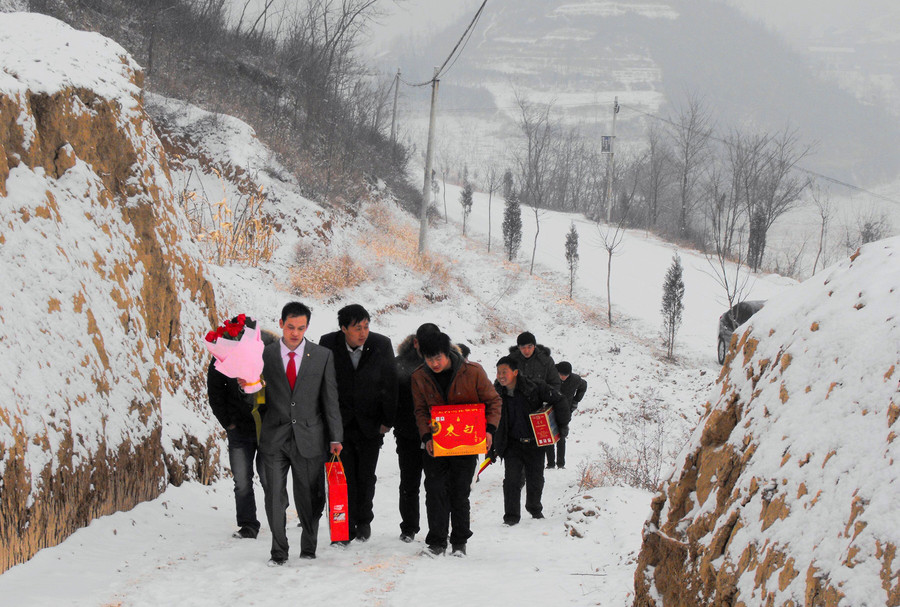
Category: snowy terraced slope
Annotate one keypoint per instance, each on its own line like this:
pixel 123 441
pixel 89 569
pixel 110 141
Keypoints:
pixel 787 492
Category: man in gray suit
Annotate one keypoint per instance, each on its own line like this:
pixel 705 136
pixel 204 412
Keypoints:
pixel 302 424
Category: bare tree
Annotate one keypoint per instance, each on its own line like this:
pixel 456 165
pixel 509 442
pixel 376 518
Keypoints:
pixel 657 173
pixel 692 130
pixel 731 276
pixel 779 190
pixel 492 180
pixel 534 161
pixel 444 167
pixel 611 236
pixel 871 225
pixel 822 200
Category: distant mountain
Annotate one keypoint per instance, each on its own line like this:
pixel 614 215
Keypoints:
pixel 652 55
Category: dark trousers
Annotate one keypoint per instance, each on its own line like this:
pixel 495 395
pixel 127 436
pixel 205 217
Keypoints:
pixel 308 475
pixel 560 458
pixel 448 481
pixel 360 458
pixel 522 460
pixel 242 450
pixel 409 456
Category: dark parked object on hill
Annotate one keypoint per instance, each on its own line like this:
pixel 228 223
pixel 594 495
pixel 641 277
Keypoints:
pixel 731 320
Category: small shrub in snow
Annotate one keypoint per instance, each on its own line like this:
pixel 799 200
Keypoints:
pixel 397 239
pixel 589 475
pixel 243 233
pixel 646 447
pixel 319 276
pixel 512 226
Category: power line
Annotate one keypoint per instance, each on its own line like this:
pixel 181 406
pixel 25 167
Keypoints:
pixel 465 36
pixel 672 123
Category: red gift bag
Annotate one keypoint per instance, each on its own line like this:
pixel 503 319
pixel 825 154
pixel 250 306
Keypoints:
pixel 338 518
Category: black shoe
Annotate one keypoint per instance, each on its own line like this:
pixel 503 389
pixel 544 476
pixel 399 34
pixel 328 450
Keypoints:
pixel 561 467
pixel 433 550
pixel 248 533
pixel 407 538
pixel 363 532
pixel 509 522
pixel 307 556
pixel 551 466
pixel 341 543
pixel 459 550
pixel 276 562
pixel 538 515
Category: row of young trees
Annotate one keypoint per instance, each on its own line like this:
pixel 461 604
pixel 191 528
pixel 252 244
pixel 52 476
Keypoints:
pixel 680 181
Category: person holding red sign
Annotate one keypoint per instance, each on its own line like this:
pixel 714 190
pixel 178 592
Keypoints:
pixel 447 379
pixel 514 440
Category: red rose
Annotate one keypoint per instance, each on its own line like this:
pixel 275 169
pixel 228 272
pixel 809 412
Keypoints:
pixel 233 329
pixel 211 337
pixel 220 331
pixel 241 318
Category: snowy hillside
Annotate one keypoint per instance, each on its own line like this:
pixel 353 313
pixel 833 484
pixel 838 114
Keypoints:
pixel 103 293
pixel 580 54
pixel 788 488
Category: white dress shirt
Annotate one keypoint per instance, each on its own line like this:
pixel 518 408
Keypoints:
pixel 299 352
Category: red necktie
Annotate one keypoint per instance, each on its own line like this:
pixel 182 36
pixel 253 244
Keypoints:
pixel 292 370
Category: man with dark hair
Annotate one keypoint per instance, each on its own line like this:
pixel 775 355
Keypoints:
pixel 367 390
pixel 572 388
pixel 514 440
pixel 534 360
pixel 406 433
pixel 446 379
pixel 302 424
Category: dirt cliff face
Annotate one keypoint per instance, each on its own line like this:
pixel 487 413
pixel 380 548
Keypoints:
pixel 787 491
pixel 103 375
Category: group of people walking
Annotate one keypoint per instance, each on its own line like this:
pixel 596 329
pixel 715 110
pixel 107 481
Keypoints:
pixel 340 397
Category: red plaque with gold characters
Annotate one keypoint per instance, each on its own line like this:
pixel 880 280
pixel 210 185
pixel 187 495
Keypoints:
pixel 458 429
pixel 546 432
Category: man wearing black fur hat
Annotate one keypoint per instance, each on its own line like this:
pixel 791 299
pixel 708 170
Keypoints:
pixel 534 360
pixel 406 433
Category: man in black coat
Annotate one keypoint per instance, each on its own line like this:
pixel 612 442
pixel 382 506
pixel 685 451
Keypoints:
pixel 367 390
pixel 534 360
pixel 406 433
pixel 572 388
pixel 227 401
pixel 514 439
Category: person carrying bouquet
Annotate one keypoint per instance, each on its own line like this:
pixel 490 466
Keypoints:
pixel 227 401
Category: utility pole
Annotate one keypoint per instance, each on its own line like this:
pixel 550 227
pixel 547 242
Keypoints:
pixel 423 210
pixel 612 163
pixel 394 114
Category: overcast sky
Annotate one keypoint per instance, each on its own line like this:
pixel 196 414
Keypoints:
pixel 798 20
